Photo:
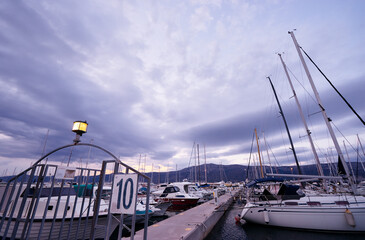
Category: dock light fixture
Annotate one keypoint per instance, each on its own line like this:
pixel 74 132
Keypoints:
pixel 79 127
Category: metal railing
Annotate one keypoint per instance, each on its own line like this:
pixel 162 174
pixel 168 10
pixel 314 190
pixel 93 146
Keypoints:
pixel 38 204
pixel 53 202
pixel 120 168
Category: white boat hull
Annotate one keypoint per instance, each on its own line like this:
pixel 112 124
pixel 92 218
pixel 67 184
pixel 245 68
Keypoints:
pixel 318 218
pixel 75 233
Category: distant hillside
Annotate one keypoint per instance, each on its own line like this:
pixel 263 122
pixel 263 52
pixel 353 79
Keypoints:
pixel 238 173
pixel 233 173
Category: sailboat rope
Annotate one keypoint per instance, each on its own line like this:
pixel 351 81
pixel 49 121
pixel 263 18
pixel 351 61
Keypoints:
pixel 353 148
pixel 276 161
pixel 249 159
pixel 301 84
pixel 320 106
pixel 348 104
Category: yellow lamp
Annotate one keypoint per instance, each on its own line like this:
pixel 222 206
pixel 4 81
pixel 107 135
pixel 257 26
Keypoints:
pixel 79 127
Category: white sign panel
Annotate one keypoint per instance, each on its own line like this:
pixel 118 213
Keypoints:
pixel 124 193
pixel 66 173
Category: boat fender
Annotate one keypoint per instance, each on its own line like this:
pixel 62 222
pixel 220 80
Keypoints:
pixel 237 218
pixel 350 218
pixel 266 216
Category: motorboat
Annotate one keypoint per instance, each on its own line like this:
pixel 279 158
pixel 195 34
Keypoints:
pixel 178 194
pixel 200 192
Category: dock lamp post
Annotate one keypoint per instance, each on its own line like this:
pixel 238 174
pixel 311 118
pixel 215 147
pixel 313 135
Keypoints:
pixel 79 127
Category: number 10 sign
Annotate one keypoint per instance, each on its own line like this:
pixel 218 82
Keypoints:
pixel 124 193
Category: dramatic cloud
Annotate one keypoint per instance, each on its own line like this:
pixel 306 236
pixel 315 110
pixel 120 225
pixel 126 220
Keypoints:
pixel 154 78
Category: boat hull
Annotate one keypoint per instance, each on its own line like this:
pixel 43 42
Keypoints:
pixel 78 230
pixel 180 204
pixel 309 218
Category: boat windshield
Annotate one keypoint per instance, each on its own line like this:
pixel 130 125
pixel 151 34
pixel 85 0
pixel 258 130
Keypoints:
pixel 191 189
pixel 105 194
pixel 171 189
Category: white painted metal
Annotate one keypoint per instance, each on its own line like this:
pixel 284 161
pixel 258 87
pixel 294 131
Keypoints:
pixel 326 119
pixel 319 167
pixel 124 195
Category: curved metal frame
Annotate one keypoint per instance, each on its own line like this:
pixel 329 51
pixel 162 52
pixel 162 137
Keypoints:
pixel 67 146
pixel 97 201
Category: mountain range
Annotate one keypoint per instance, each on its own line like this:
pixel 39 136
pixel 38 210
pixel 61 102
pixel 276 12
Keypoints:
pixel 232 173
pixel 239 173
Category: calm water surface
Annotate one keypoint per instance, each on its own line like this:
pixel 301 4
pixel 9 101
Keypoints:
pixel 227 229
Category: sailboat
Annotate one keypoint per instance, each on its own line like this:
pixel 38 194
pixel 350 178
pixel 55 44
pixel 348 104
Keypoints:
pixel 273 202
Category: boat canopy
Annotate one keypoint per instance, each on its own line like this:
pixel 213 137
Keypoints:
pixel 287 191
pixel 46 192
pixel 263 180
pixel 87 188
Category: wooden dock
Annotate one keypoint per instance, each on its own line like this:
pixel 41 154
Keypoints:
pixel 193 224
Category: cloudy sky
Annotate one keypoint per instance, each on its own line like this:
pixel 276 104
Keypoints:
pixel 154 77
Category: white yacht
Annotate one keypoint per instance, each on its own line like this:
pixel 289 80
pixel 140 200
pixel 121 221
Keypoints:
pixel 289 207
pixel 178 194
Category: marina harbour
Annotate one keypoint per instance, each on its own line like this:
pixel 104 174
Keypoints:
pixel 182 120
pixel 49 201
pixel 194 223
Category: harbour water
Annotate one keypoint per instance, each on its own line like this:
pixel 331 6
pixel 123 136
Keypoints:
pixel 228 229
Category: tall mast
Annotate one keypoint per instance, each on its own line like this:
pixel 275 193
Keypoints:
pixel 258 150
pixel 152 174
pixel 168 173
pixel 326 119
pixel 319 167
pixel 205 165
pixel 348 158
pixel 139 162
pixel 176 174
pixel 44 146
pixel 198 163
pixel 139 165
pixel 88 154
pixel 221 171
pixel 191 169
pixel 159 174
pixel 363 152
pixel 249 159
pixel 343 98
pixel 195 179
pixel 256 175
pixel 144 166
pixel 286 126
